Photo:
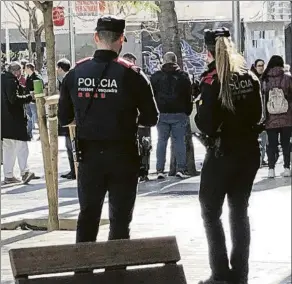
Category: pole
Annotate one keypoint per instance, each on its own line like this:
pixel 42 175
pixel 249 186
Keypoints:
pixel 290 41
pixel 7 40
pixel 71 33
pixel 236 24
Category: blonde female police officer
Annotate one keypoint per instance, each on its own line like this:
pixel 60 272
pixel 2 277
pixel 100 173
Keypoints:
pixel 229 111
pixel 101 94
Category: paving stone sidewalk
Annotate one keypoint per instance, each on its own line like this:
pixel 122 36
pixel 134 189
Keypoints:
pixel 179 214
pixel 163 208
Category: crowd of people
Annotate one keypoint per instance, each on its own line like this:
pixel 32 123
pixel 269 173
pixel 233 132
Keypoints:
pixel 108 97
pixel 174 95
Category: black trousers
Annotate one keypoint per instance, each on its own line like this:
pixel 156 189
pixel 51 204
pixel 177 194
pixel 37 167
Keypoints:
pixel 233 176
pixel 68 144
pixel 273 141
pixel 145 155
pixel 106 168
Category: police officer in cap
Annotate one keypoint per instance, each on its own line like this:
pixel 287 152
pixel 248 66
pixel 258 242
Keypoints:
pixel 108 97
pixel 229 110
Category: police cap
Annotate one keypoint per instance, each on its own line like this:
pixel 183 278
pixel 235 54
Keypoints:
pixel 111 23
pixel 210 35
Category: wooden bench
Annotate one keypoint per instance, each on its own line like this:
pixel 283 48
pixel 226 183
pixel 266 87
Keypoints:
pixel 113 256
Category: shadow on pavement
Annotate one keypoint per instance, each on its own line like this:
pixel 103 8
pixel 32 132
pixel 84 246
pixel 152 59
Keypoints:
pixel 68 192
pixel 155 185
pixel 21 237
pixel 285 281
pixel 31 210
pixel 268 184
pixel 25 188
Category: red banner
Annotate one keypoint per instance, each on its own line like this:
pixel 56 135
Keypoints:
pixel 89 7
pixel 58 16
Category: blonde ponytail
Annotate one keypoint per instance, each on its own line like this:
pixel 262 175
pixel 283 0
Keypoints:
pixel 228 61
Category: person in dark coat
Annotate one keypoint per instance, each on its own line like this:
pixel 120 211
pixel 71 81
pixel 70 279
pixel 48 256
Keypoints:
pixel 172 89
pixel 278 125
pixel 63 67
pixel 228 112
pixel 14 125
pixel 258 69
pixel 100 94
pixel 31 108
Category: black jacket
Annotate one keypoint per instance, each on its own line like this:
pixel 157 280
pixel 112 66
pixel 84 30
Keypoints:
pixel 62 131
pixel 13 114
pixel 172 89
pixel 238 130
pixel 29 82
pixel 124 94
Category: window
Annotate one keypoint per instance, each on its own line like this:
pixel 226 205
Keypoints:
pixel 270 34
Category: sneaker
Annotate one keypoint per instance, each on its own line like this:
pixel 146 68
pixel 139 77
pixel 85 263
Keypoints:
pixel 27 177
pixel 161 175
pixel 286 173
pixel 12 180
pixel 183 174
pixel 271 173
pixel 264 164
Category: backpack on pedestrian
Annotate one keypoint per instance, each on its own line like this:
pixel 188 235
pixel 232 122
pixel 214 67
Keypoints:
pixel 277 103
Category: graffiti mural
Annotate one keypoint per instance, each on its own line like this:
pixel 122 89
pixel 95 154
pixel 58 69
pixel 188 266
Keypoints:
pixel 192 46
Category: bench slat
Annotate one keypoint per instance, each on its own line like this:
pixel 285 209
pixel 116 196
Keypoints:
pixel 169 274
pixel 68 258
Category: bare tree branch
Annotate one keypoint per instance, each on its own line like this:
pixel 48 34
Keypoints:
pixel 14 13
pixel 40 29
pixel 22 7
pixel 39 5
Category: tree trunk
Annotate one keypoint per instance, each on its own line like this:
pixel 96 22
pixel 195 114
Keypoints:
pixel 170 38
pixel 39 52
pixel 29 42
pixel 50 46
pixel 53 134
pixel 169 32
pixel 53 221
pixel 47 8
pixel 29 47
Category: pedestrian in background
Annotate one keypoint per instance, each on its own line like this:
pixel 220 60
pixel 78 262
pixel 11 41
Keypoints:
pixel 228 112
pixel 258 68
pixel 63 67
pixel 277 91
pixel 14 125
pixel 172 89
pixel 144 137
pixel 105 94
pixel 130 57
pixel 31 108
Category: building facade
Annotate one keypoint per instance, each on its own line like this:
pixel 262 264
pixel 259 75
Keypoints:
pixel 262 38
pixel 279 10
